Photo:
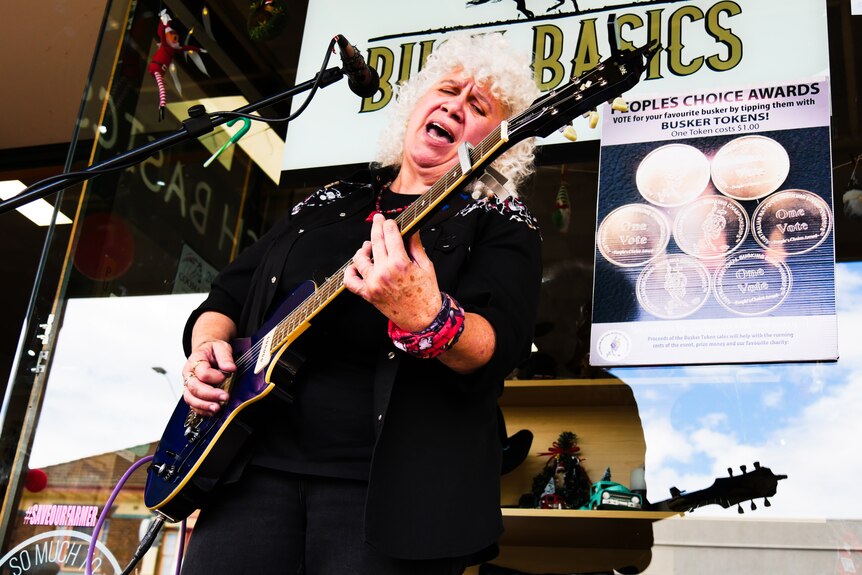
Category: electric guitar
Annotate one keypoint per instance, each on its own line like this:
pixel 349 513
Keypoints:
pixel 725 491
pixel 194 450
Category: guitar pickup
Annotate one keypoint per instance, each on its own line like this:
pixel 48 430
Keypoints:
pixel 265 353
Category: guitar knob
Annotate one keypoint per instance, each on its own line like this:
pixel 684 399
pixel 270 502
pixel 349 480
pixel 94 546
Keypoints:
pixel 158 468
pixel 191 434
pixel 619 104
pixel 570 133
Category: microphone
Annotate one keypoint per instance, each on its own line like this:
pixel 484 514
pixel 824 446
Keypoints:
pixel 362 80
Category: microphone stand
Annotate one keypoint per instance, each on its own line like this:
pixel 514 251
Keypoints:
pixel 198 124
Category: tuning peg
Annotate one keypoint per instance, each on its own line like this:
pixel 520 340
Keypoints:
pixel 766 502
pixel 753 506
pixel 739 509
pixel 757 465
pixel 675 492
pixel 730 471
pixel 619 105
pixel 743 467
pixel 594 119
pixel 570 133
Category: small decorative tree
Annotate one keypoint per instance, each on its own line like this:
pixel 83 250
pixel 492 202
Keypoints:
pixel 563 483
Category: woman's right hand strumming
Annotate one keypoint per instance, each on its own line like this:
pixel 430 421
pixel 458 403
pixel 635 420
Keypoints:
pixel 209 364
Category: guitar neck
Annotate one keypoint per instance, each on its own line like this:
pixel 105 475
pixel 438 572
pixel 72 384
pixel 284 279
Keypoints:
pixel 426 204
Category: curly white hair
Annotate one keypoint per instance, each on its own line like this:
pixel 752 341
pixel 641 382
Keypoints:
pixel 493 63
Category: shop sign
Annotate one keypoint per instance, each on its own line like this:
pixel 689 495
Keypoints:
pixel 62 550
pixel 705 43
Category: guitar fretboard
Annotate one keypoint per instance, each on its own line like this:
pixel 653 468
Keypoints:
pixel 334 284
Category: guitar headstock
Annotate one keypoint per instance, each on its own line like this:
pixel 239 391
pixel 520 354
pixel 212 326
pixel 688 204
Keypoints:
pixel 727 491
pixel 609 79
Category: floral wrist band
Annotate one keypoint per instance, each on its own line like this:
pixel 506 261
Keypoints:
pixel 438 337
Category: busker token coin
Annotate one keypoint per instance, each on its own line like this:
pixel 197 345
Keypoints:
pixel 752 282
pixel 673 286
pixel 750 167
pixel 672 175
pixel 791 222
pixel 710 227
pixel 632 235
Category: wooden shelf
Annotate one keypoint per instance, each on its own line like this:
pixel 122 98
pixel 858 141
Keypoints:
pixel 556 392
pixel 579 528
pixel 604 415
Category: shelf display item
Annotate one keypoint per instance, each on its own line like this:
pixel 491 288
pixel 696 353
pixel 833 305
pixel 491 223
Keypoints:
pixel 563 483
pixel 607 494
pixel 266 19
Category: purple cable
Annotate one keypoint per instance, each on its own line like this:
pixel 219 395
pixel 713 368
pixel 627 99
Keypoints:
pixel 94 539
pixel 182 548
pixel 102 516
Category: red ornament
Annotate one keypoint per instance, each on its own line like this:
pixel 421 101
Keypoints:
pixel 169 46
pixel 106 247
pixel 36 480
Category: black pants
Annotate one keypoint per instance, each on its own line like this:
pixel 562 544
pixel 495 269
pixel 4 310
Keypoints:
pixel 272 522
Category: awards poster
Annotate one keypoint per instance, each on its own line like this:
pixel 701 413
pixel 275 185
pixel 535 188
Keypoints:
pixel 714 235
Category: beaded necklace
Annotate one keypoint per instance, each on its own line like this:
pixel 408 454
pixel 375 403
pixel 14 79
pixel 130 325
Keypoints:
pixel 379 201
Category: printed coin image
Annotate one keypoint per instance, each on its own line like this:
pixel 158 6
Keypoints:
pixel 673 286
pixel 613 345
pixel 791 222
pixel 750 167
pixel 632 235
pixel 752 283
pixel 710 227
pixel 672 175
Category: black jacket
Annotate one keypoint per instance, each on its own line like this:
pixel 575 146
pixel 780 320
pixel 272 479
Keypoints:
pixel 434 486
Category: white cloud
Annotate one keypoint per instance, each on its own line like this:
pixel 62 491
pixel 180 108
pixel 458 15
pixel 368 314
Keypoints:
pixel 102 394
pixel 816 450
pixel 773 398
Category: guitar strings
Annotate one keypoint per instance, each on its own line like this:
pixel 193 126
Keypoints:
pixel 313 303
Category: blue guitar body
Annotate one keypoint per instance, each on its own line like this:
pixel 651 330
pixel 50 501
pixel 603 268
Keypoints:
pixel 194 450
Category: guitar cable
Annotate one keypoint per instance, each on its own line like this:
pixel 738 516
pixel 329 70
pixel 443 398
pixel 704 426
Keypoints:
pixel 148 538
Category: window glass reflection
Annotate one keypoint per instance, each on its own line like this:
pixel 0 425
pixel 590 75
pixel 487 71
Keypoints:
pixel 797 419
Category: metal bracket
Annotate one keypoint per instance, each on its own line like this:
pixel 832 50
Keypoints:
pixel 44 354
pixel 495 181
pixel 41 362
pixel 49 323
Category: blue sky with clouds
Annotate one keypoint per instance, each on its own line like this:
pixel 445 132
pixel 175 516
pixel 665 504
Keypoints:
pixel 801 420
